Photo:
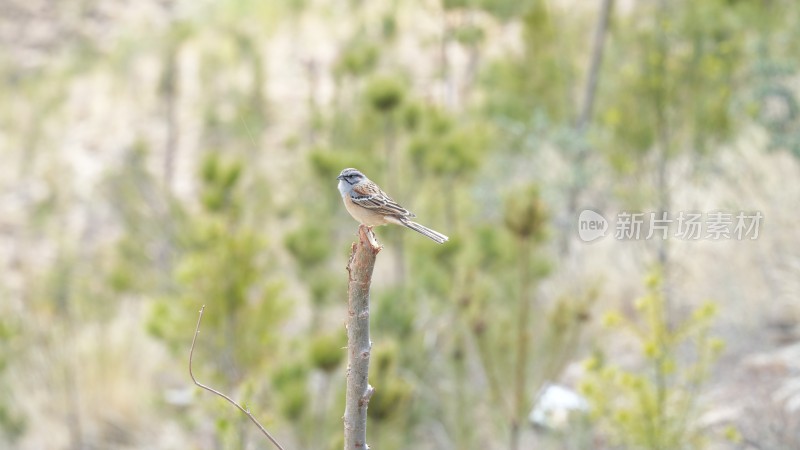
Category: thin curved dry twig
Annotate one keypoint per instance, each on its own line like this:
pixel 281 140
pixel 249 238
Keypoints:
pixel 214 391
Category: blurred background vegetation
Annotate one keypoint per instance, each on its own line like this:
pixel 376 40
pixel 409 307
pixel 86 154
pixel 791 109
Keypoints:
pixel 160 155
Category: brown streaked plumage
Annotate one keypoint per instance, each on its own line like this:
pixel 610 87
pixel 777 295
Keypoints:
pixel 369 205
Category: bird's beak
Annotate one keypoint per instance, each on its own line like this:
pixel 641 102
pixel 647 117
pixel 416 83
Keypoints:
pixel 339 177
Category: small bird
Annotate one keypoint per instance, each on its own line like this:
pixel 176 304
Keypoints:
pixel 369 205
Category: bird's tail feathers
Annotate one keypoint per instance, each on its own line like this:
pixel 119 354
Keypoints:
pixel 425 231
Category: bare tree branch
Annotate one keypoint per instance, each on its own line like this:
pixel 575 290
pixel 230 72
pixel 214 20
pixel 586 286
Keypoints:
pixel 359 392
pixel 214 391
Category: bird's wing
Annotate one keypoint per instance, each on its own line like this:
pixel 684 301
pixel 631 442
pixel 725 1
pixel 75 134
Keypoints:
pixel 370 196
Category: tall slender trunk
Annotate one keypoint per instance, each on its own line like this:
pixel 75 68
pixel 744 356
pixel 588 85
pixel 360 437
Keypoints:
pixel 585 116
pixel 523 339
pixel 392 169
pixel 170 94
pixel 664 145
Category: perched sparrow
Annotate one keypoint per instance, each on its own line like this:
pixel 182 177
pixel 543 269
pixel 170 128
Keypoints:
pixel 368 204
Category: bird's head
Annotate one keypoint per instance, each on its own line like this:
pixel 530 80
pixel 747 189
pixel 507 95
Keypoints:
pixel 351 176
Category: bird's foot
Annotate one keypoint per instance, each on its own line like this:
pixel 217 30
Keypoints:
pixel 373 240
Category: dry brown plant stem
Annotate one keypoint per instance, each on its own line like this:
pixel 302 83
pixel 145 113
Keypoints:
pixel 359 391
pixel 214 391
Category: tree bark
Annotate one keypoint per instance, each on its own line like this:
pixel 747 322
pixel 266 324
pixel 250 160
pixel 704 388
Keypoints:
pixel 359 268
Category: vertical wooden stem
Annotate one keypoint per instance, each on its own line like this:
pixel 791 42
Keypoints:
pixel 359 391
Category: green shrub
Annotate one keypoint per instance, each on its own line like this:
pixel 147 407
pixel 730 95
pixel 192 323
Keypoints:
pixel 654 406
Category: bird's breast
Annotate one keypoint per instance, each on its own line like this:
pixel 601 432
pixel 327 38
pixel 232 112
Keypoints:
pixel 363 215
